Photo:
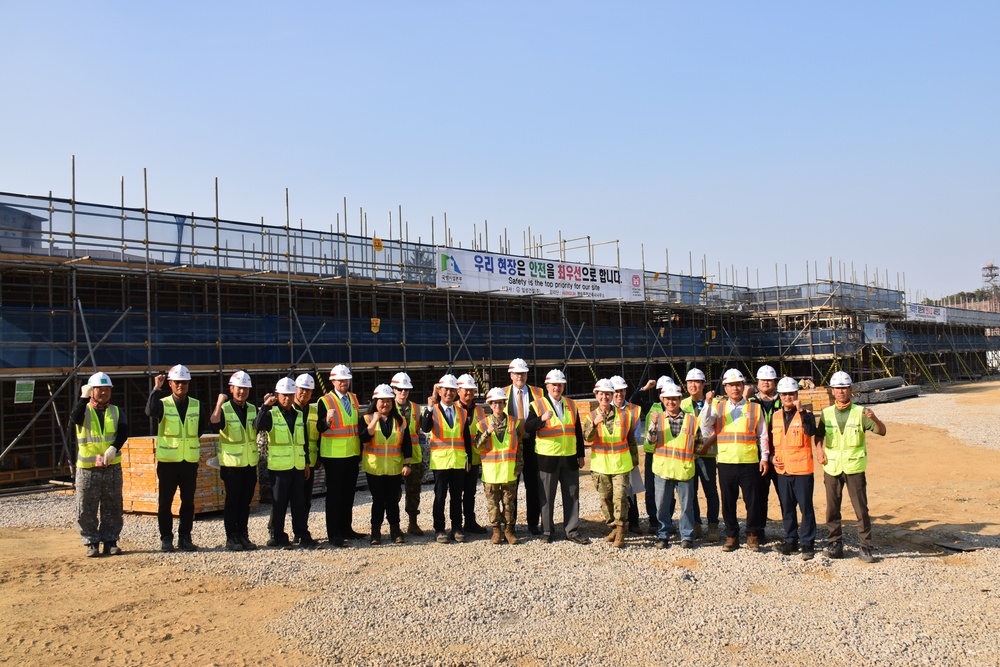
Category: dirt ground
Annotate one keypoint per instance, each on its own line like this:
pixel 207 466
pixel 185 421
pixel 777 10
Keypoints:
pixel 924 486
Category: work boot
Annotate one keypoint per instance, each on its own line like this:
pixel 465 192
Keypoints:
pixel 732 544
pixel 413 528
pixel 619 537
pixel 509 534
pixel 184 543
pixel 785 548
pixel 835 550
pixel 866 555
pixel 111 549
pixel 497 537
pixel 92 550
pixel 307 542
pixel 458 535
pixel 697 531
pixel 662 544
pixel 808 553
pixel 713 533
pixel 376 537
pixel 166 545
pixel 441 537
pixel 753 542
pixel 395 534
pixel 244 539
pixel 611 536
pixel 233 544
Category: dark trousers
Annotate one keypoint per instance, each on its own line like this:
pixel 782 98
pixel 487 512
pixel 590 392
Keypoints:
pixel 448 483
pixel 857 487
pixel 385 490
pixel 763 493
pixel 564 471
pixel 341 484
pixel 288 487
pixel 649 483
pixel 240 483
pixel 704 476
pixel 735 478
pixel 170 477
pixel 469 494
pixel 796 491
pixel 532 488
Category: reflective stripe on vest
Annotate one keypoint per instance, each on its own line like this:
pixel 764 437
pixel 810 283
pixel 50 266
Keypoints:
pixel 176 440
pixel 447 442
pixel 479 414
pixel 792 449
pixel 534 395
pixel 648 446
pixel 556 438
pixel 737 439
pixel 91 441
pixel 418 453
pixel 687 405
pixel 340 440
pixel 286 451
pixel 500 460
pixel 381 455
pixel 609 454
pixel 311 414
pixel 845 452
pixel 237 445
pixel 673 457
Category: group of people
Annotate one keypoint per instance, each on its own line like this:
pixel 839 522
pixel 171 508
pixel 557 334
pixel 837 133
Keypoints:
pixel 739 444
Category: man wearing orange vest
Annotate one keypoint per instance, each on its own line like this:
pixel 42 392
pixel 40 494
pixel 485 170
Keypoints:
pixel 498 439
pixel 620 402
pixel 742 440
pixel 339 425
pixel 467 392
pixel 792 431
pixel 451 450
pixel 520 396
pixel 674 433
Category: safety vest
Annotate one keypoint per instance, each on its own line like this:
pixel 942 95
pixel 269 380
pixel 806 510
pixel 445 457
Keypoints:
pixel 673 457
pixel 737 439
pixel 286 450
pixel 237 445
pixel 500 459
pixel 776 407
pixel 634 415
pixel 792 449
pixel 845 452
pixel 648 446
pixel 556 438
pixel 418 454
pixel 177 440
pixel 381 455
pixel 447 442
pixel 91 441
pixel 311 414
pixel 687 405
pixel 340 440
pixel 609 453
pixel 479 413
pixel 535 394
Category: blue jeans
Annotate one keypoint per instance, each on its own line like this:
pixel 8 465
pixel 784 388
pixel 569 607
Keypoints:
pixel 704 474
pixel 664 497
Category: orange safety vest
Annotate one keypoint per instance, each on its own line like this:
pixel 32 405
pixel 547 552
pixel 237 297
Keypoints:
pixel 382 455
pixel 792 449
pixel 340 440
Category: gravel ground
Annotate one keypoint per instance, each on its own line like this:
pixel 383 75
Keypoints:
pixel 966 420
pixel 564 604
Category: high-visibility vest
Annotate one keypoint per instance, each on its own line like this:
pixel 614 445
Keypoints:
pixel 673 457
pixel 238 445
pixel 687 405
pixel 737 439
pixel 286 450
pixel 535 394
pixel 418 454
pixel 447 442
pixel 609 453
pixel 845 452
pixel 634 414
pixel 177 440
pixel 499 461
pixel 556 438
pixel 478 413
pixel 311 415
pixel 340 440
pixel 91 441
pixel 381 455
pixel 792 448
pixel 648 446
pixel 776 407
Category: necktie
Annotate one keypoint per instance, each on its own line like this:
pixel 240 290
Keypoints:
pixel 523 407
pixel 347 404
pixel 449 412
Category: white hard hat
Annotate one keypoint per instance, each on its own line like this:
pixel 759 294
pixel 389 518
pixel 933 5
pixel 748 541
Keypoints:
pixel 517 366
pixel 733 375
pixel 787 385
pixel 466 381
pixel 766 373
pixel 448 382
pixel 340 372
pixel 383 391
pixel 555 376
pixel 695 374
pixel 662 380
pixel 604 384
pixel 496 394
pixel 670 389
pixel 240 379
pixel 179 372
pixel 401 381
pixel 840 379
pixel 99 380
pixel 618 382
pixel 285 386
pixel 305 381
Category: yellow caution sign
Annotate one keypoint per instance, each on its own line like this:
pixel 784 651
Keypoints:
pixel 376 323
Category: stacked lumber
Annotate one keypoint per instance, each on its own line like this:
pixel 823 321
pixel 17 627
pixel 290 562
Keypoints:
pixel 816 399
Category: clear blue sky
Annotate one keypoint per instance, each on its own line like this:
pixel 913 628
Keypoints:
pixel 754 133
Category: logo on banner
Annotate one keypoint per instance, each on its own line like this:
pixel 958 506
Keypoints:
pixel 450 264
pixel 376 323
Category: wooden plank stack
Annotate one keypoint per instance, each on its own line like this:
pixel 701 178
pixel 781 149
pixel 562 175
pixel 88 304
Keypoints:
pixel 816 399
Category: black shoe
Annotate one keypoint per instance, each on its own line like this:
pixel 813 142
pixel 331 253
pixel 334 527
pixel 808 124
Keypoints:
pixel 245 541
pixel 307 542
pixel 185 544
pixel 534 530
pixel 351 534
pixel 376 538
pixel 785 548
pixel 441 537
pixel 473 527
pixel 546 539
pixel 577 538
pixel 808 553
pixel 337 541
pixel 166 545
pixel 111 549
pixel 662 544
pixel 272 542
pixel 835 550
pixel 634 528
pixel 233 544
pixel 458 536
pixel 92 550
pixel 687 544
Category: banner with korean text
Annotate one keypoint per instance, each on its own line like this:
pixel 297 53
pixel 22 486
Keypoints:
pixel 921 313
pixel 473 271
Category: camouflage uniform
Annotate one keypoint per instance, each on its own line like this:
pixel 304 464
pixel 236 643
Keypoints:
pixel 613 493
pixel 501 503
pixel 99 503
pixel 413 483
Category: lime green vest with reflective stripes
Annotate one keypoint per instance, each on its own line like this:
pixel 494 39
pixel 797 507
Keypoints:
pixel 674 455
pixel 609 453
pixel 237 445
pixel 499 461
pixel 737 439
pixel 418 453
pixel 381 455
pixel 177 440
pixel 311 414
pixel 286 450
pixel 447 442
pixel 91 441
pixel 340 440
pixel 845 452
pixel 687 405
pixel 556 438
pixel 648 446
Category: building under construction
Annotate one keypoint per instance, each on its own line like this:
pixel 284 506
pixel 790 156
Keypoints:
pixel 133 292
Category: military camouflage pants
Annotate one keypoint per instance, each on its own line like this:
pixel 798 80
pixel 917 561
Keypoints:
pixel 99 503
pixel 613 492
pixel 501 503
pixel 413 483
